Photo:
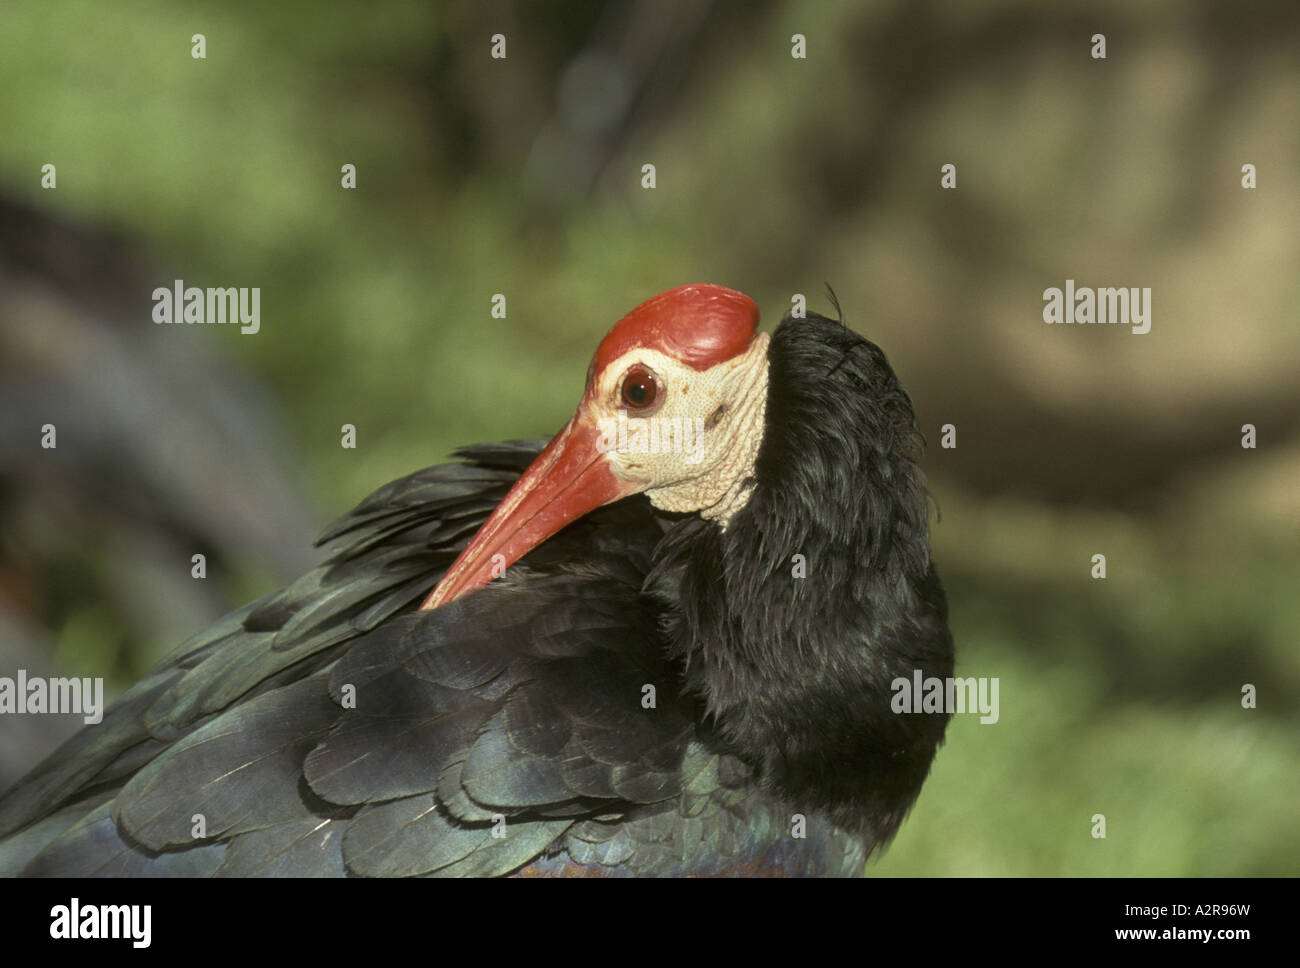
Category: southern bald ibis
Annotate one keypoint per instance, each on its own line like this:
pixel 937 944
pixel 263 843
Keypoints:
pixel 683 665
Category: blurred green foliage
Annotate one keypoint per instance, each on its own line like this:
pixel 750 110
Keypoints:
pixel 477 177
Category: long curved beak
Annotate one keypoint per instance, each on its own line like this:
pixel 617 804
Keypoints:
pixel 570 478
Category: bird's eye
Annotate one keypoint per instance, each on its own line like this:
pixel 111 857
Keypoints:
pixel 640 388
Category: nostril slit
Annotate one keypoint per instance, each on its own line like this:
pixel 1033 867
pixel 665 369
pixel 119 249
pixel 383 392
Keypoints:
pixel 715 417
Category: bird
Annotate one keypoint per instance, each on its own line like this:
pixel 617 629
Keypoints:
pixel 662 644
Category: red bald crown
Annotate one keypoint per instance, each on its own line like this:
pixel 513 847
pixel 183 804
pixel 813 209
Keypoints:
pixel 698 324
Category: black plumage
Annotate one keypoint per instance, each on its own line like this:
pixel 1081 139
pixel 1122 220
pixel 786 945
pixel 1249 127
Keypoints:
pixel 331 728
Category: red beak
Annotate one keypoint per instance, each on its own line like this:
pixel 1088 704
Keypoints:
pixel 570 478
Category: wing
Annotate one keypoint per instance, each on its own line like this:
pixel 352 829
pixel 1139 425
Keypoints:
pixel 535 725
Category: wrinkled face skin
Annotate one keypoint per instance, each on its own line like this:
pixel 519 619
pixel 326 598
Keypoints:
pixel 693 438
pixel 674 408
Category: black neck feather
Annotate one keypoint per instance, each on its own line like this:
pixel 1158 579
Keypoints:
pixel 796 672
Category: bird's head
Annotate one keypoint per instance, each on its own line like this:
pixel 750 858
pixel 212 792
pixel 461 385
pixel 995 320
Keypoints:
pixel 674 408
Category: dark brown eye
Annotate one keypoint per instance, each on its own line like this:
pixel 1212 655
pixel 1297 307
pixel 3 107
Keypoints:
pixel 640 388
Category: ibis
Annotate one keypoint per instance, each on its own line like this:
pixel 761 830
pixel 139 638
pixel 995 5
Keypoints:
pixel 663 643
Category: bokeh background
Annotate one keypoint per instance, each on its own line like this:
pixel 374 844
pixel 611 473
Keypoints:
pixel 776 176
